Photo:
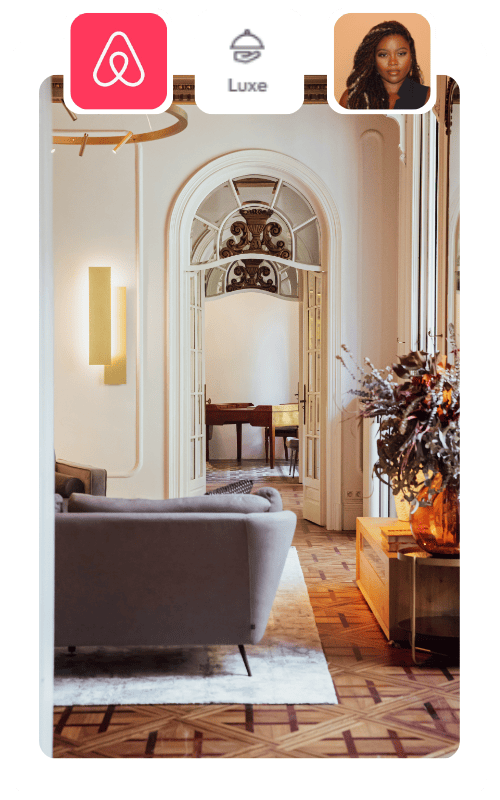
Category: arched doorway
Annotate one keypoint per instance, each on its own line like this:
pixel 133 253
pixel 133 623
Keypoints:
pixel 202 215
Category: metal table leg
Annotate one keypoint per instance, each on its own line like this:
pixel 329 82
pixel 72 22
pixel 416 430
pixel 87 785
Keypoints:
pixel 420 557
pixel 413 608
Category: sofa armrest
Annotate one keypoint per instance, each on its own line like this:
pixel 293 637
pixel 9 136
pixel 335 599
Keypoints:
pixel 93 479
pixel 269 540
pixel 274 497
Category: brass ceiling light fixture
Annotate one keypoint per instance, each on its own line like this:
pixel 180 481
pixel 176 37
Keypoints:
pixel 122 141
pixel 131 138
pixel 71 113
pixel 82 148
pixel 116 141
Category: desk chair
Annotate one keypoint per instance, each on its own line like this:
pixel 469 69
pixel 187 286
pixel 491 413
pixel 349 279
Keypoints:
pixel 283 432
pixel 293 444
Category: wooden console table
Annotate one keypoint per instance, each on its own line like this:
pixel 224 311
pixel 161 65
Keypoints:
pixel 385 580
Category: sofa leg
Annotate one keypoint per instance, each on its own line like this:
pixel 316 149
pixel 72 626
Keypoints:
pixel 241 648
pixel 72 650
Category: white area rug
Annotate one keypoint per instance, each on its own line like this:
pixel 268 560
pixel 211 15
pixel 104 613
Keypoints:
pixel 288 664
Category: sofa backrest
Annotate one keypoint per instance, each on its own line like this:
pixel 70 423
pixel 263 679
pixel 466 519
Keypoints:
pixel 265 499
pixel 215 504
pixel 132 579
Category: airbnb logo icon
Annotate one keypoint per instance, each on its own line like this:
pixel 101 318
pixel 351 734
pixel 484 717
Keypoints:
pixel 119 63
pixel 118 75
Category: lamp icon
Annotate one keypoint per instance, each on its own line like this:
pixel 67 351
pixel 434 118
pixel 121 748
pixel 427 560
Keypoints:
pixel 247 47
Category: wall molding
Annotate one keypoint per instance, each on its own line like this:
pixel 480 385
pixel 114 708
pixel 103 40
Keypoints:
pixel 401 121
pixel 140 318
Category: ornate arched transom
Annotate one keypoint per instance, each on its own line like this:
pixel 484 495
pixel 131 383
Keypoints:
pixel 253 233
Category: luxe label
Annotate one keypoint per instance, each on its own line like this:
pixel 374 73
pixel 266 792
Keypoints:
pixel 246 86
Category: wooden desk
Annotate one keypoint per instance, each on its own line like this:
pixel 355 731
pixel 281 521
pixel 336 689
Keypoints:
pixel 258 416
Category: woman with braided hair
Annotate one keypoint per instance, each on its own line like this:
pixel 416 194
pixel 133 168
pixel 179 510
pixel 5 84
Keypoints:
pixel 386 72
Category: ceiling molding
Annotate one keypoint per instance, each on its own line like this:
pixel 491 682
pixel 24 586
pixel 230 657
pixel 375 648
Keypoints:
pixel 184 89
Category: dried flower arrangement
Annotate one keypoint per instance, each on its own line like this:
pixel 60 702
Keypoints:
pixel 419 421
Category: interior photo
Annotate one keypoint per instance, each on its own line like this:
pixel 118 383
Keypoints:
pixel 253 550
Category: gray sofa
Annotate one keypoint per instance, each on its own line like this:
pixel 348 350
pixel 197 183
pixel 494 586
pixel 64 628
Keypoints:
pixel 189 571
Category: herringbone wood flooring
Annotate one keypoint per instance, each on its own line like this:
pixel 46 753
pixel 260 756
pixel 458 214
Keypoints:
pixel 387 707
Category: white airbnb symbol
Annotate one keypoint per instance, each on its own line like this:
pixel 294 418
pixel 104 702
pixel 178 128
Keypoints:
pixel 118 75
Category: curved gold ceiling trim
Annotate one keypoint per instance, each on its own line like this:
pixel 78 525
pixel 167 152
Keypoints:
pixel 137 138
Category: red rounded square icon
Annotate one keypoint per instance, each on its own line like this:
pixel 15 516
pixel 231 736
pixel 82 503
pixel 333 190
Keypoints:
pixel 118 61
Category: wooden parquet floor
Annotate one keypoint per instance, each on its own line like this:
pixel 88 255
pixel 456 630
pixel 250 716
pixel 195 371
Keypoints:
pixel 388 708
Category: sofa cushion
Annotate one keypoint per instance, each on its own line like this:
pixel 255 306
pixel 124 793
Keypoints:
pixel 214 504
pixel 237 487
pixel 58 503
pixel 67 484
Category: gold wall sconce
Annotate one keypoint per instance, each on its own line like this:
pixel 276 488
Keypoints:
pixel 100 325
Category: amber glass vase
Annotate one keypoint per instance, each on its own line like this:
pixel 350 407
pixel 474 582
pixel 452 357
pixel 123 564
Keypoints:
pixel 436 528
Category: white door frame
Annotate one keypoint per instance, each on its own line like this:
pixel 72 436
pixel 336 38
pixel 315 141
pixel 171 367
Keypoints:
pixel 210 176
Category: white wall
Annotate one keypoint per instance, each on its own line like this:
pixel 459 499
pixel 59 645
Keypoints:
pixel 94 215
pixel 94 225
pixel 251 355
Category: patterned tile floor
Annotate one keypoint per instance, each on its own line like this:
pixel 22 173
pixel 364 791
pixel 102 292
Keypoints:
pixel 388 708
pixel 221 471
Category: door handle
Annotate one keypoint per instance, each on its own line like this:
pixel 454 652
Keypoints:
pixel 304 404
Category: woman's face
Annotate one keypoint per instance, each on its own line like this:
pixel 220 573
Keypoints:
pixel 393 58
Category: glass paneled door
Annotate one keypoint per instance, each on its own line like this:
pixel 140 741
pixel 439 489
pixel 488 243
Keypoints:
pixel 197 464
pixel 246 229
pixel 311 418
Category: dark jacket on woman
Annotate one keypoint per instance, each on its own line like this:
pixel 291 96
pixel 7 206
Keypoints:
pixel 411 95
